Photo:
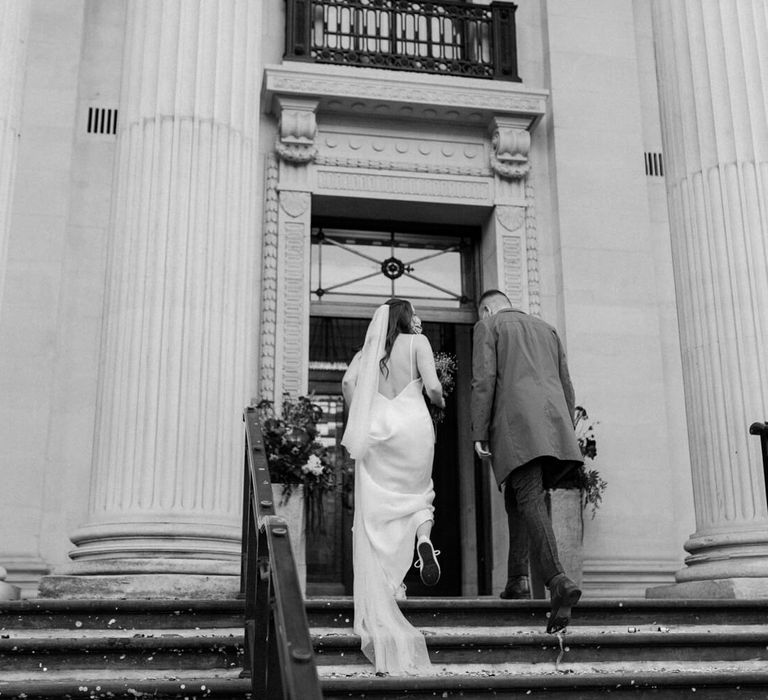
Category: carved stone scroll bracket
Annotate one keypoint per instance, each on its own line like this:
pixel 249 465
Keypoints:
pixel 297 130
pixel 510 146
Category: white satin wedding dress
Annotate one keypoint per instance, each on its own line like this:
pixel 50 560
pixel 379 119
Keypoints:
pixel 393 496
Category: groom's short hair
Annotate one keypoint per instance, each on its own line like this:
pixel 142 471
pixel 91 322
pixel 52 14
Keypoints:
pixel 493 294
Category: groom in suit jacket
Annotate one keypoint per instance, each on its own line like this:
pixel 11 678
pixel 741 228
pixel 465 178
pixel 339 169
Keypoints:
pixel 522 408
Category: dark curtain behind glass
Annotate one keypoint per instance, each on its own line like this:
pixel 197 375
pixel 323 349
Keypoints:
pixel 338 339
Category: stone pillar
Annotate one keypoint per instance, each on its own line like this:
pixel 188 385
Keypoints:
pixel 712 77
pixel 176 365
pixel 286 253
pixel 7 591
pixel 14 30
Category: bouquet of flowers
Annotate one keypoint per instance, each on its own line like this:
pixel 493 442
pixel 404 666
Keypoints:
pixel 588 480
pixel 294 455
pixel 445 366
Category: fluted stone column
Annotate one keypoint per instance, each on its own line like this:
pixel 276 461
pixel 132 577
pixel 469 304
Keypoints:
pixel 14 30
pixel 713 83
pixel 179 316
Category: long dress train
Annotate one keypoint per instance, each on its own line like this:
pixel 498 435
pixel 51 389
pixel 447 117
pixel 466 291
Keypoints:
pixel 393 496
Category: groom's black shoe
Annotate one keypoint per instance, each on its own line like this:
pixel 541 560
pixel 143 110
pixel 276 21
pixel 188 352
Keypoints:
pixel 564 594
pixel 427 564
pixel 517 589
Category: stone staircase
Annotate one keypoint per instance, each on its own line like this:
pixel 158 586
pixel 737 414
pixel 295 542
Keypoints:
pixel 481 648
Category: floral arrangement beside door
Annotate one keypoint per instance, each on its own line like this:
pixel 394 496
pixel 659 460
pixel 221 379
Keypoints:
pixel 295 455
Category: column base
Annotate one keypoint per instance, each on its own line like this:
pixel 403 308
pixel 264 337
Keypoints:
pixel 724 589
pixel 156 586
pixel 9 592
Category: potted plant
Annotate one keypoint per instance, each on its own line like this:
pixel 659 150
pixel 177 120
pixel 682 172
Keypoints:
pixel 583 489
pixel 299 467
pixel 588 481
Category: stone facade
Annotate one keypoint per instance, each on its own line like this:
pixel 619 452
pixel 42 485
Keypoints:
pixel 157 279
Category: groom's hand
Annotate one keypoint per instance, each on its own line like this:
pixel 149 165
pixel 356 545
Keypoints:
pixel 482 449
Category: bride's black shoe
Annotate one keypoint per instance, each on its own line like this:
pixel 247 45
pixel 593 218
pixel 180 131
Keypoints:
pixel 427 564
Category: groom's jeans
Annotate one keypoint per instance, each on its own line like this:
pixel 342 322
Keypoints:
pixel 529 522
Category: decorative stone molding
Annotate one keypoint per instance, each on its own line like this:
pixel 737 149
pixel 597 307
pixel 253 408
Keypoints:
pixel 269 283
pixel 532 250
pixel 412 167
pixel 292 326
pixel 297 129
pixel 374 92
pixel 379 148
pixel 381 185
pixel 512 266
pixel 294 203
pixel 510 148
pixel 510 218
pixel 294 292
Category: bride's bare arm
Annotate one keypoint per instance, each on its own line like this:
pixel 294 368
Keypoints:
pixel 425 361
pixel 349 381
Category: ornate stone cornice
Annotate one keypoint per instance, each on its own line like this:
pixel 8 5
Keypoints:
pixel 405 95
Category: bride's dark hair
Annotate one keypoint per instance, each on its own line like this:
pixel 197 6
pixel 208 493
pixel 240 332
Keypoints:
pixel 400 319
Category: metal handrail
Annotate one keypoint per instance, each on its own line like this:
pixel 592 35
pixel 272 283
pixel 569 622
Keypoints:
pixel 448 37
pixel 761 429
pixel 279 657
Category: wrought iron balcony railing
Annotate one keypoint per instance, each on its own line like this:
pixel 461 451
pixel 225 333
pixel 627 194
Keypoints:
pixel 449 37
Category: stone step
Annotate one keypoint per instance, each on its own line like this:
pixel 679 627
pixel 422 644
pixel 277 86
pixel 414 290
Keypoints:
pixel 206 650
pixel 487 610
pixel 337 612
pixel 481 648
pixel 745 680
pixel 120 614
pixel 181 649
pixel 494 645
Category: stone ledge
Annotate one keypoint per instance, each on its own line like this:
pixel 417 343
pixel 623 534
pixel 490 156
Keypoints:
pixel 184 586
pixel 727 589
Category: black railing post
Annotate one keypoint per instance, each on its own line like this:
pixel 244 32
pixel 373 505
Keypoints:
pixel 263 639
pixel 761 429
pixel 504 41
pixel 279 657
pixel 247 515
pixel 298 29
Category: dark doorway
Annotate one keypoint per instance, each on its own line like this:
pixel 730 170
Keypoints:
pixel 333 342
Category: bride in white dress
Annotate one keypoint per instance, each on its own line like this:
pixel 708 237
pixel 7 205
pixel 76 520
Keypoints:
pixel 391 437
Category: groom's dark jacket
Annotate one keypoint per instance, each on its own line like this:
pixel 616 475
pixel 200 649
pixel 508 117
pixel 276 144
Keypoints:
pixel 522 396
